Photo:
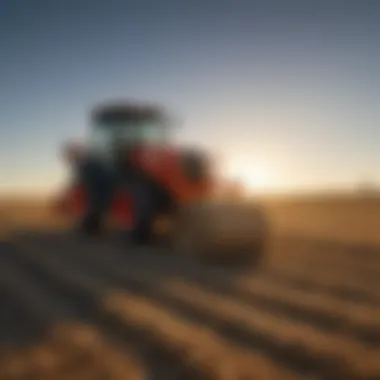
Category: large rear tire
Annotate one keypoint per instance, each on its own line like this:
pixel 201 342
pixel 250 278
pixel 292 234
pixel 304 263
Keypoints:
pixel 233 234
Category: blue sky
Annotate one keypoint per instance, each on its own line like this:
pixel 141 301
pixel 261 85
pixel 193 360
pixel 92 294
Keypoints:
pixel 286 91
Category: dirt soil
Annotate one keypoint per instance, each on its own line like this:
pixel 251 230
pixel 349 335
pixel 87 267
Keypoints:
pixel 95 309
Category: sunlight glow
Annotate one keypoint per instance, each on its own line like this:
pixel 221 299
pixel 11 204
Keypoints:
pixel 255 176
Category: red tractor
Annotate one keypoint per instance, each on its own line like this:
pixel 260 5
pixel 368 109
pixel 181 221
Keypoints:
pixel 154 181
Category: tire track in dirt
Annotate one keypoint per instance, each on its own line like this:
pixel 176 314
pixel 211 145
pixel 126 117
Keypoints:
pixel 300 347
pixel 325 311
pixel 291 348
pixel 54 347
pixel 330 275
pixel 70 352
pixel 82 294
pixel 298 279
pixel 199 345
pixel 180 355
pixel 337 352
pixel 331 314
pixel 131 273
pixel 333 251
pixel 362 322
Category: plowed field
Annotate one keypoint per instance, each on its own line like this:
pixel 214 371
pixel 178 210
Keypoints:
pixel 92 309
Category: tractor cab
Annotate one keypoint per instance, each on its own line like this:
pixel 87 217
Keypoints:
pixel 126 126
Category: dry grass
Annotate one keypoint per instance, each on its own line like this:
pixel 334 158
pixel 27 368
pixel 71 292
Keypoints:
pixel 29 213
pixel 342 218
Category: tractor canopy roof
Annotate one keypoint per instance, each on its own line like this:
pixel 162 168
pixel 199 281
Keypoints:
pixel 122 112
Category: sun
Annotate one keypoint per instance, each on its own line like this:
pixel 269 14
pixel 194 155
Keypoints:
pixel 255 176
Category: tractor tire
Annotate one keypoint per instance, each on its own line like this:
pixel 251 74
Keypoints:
pixel 91 225
pixel 142 232
pixel 144 212
pixel 233 234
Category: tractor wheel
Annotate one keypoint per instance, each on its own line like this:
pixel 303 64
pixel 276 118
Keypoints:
pixel 221 233
pixel 91 225
pixel 142 231
pixel 144 211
